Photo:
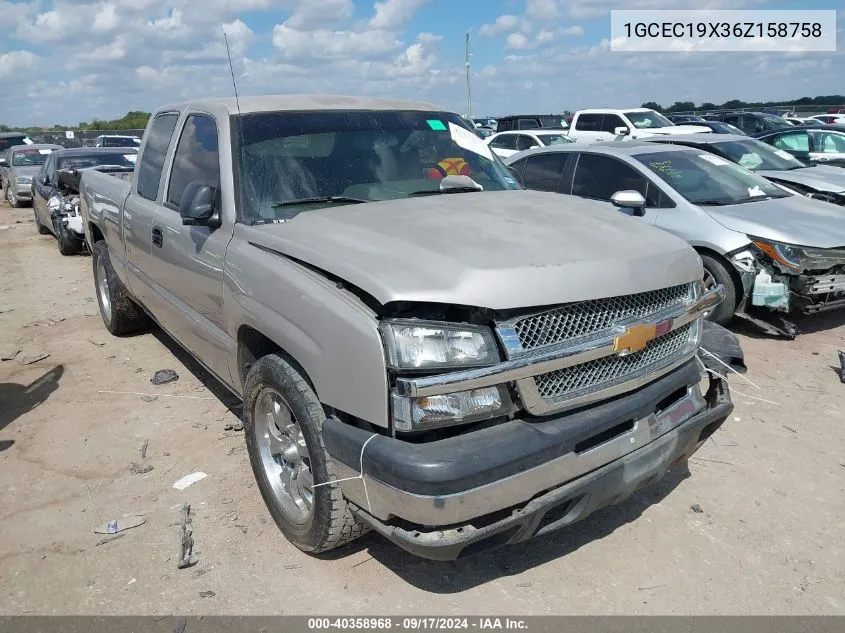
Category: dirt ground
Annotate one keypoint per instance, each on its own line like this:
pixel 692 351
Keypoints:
pixel 769 487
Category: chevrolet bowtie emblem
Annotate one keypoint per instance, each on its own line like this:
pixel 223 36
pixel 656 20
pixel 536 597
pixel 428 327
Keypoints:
pixel 637 337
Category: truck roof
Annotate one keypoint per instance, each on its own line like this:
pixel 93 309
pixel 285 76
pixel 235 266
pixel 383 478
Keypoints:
pixel 612 110
pixel 275 103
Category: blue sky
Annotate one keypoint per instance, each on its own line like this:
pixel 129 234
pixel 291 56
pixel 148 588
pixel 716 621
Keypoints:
pixel 73 60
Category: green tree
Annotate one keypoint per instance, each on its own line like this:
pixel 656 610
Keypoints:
pixel 653 105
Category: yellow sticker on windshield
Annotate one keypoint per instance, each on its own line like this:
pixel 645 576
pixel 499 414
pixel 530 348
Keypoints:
pixel 436 124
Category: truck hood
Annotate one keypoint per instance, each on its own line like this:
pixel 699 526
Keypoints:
pixel 676 129
pixel 792 220
pixel 497 250
pixel 820 178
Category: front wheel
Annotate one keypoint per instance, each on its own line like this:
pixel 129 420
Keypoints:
pixel 12 199
pixel 283 422
pixel 716 273
pixel 69 242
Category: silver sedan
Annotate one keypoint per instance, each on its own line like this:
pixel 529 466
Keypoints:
pixel 774 251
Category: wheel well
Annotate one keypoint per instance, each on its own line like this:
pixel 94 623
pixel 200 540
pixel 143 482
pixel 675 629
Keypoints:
pixel 96 233
pixel 739 289
pixel 253 345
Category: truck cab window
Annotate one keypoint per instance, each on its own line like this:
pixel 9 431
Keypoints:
pixel 197 158
pixel 152 160
pixel 588 122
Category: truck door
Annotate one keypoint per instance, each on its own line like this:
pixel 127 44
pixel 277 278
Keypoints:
pixel 139 209
pixel 188 260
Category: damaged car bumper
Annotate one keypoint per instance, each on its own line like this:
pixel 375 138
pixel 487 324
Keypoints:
pixel 507 483
pixel 454 498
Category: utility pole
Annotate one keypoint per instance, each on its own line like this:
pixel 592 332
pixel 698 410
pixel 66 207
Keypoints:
pixel 469 87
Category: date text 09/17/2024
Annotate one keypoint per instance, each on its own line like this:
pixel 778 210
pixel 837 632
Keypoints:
pixel 418 623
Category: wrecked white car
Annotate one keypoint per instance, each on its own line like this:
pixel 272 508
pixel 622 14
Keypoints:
pixel 55 191
pixel 775 252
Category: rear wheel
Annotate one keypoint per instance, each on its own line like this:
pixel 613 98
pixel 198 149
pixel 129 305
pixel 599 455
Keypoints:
pixel 121 315
pixel 716 273
pixel 283 422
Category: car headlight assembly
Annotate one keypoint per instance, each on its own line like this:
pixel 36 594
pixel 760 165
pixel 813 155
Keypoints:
pixel 431 346
pixel 795 259
pixel 463 407
pixel 417 346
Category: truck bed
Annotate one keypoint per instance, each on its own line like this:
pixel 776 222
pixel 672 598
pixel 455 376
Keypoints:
pixel 102 196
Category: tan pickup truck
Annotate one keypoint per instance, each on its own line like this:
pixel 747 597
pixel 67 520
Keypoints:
pixel 422 348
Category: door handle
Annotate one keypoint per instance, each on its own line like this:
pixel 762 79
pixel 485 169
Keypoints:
pixel 158 237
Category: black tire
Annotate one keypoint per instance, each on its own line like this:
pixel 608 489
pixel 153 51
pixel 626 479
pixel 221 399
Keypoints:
pixel 122 315
pixel 69 243
pixel 16 203
pixel 724 312
pixel 330 523
pixel 42 230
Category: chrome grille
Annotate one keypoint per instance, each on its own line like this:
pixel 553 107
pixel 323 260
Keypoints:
pixel 602 373
pixel 577 320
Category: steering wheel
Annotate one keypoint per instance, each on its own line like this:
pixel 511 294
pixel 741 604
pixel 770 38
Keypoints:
pixel 436 167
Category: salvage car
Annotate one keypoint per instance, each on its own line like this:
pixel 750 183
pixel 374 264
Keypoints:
pixel 24 161
pixel 55 190
pixel 506 144
pixel 775 252
pixel 809 144
pixel 814 181
pixel 720 127
pixel 752 122
pixel 442 357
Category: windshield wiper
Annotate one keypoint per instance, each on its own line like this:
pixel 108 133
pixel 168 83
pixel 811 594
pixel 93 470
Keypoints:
pixel 317 200
pixel 437 192
pixel 709 203
pixel 451 184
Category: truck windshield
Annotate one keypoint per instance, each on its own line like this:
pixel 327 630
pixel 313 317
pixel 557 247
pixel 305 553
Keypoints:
pixel 324 158
pixel 707 179
pixel 648 119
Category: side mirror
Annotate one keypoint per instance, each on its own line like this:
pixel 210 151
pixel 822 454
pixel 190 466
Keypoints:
pixel 45 180
pixel 629 200
pixel 197 205
pixel 621 131
pixel 4 162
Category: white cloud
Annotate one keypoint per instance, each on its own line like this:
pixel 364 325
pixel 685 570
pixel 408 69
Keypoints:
pixel 14 62
pixel 542 9
pixel 312 14
pixel 516 41
pixel 106 19
pixel 503 24
pixel 544 37
pixel 573 30
pixel 326 44
pixel 393 14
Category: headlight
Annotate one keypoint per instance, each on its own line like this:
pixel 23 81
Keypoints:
pixel 795 259
pixel 23 180
pixel 417 414
pixel 428 345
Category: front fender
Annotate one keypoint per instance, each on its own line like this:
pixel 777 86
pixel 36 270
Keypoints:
pixel 326 329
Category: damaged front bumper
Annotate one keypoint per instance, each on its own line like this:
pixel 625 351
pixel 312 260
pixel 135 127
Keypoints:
pixel 507 483
pixel 65 210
